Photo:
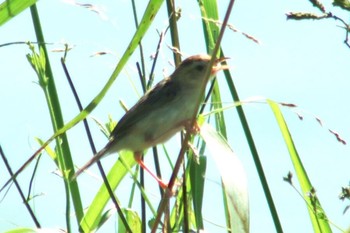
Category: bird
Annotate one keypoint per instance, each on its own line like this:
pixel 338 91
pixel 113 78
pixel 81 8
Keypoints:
pixel 160 113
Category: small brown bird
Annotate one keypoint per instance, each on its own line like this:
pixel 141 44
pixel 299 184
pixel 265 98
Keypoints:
pixel 163 111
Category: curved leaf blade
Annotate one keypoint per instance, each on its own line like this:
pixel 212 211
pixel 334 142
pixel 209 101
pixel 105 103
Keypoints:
pixel 233 177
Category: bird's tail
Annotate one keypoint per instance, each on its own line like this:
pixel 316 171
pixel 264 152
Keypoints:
pixel 94 159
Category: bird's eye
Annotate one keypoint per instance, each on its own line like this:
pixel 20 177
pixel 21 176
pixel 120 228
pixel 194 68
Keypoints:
pixel 200 67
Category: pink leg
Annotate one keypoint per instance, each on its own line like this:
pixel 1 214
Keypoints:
pixel 137 156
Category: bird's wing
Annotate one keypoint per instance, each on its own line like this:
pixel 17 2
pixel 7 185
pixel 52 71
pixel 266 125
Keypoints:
pixel 160 95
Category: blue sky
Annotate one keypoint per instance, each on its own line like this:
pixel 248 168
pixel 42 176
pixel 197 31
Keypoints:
pixel 300 62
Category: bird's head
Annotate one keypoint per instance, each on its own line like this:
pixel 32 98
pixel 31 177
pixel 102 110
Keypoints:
pixel 193 69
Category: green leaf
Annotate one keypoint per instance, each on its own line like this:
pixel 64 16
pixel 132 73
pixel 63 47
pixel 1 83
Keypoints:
pixel 133 220
pixel 48 150
pixel 34 230
pixel 197 172
pixel 105 216
pixel 93 217
pixel 11 8
pixel 234 180
pixel 317 214
pixel 38 63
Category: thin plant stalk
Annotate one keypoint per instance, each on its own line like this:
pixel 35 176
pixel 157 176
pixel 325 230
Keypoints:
pixel 63 151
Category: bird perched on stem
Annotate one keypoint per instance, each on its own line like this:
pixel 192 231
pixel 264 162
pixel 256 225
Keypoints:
pixel 163 111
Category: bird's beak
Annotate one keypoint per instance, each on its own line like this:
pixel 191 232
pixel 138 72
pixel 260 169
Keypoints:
pixel 219 66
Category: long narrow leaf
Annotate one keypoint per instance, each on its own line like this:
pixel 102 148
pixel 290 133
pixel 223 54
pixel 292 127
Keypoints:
pixel 94 215
pixel 317 215
pixel 9 9
pixel 233 177
pixel 34 230
pixel 133 220
pixel 197 187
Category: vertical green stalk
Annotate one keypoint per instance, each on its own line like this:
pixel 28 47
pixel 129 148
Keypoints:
pixel 173 29
pixel 211 32
pixel 65 161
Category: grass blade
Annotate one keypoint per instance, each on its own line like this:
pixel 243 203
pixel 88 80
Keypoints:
pixel 9 9
pixel 94 215
pixel 317 214
pixel 234 180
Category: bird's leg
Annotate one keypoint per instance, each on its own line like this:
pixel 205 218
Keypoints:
pixel 137 156
pixel 192 129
